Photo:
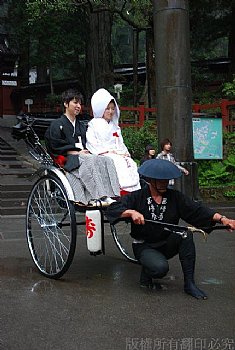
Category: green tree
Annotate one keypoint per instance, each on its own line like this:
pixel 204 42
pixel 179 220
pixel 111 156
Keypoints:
pixel 93 23
pixel 79 33
pixel 45 39
pixel 137 139
pixel 20 38
pixel 213 30
pixel 98 19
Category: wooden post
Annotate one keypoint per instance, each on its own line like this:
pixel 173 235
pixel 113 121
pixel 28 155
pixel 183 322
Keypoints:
pixel 135 64
pixel 173 75
pixel 225 113
pixel 141 115
pixel 173 85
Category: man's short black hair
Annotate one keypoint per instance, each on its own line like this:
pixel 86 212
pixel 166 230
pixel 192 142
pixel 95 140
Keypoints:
pixel 71 94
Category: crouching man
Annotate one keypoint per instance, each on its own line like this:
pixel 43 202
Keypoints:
pixel 153 246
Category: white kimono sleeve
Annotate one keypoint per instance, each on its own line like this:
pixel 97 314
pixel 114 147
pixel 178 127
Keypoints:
pixel 122 145
pixel 94 144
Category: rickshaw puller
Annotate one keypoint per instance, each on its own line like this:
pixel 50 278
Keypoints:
pixel 153 246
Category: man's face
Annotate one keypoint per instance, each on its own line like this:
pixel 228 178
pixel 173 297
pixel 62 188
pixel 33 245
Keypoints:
pixel 159 185
pixel 73 107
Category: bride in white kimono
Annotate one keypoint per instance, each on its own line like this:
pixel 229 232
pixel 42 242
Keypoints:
pixel 104 137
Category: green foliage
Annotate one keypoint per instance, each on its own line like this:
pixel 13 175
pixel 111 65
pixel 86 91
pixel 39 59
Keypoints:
pixel 137 13
pixel 126 96
pixel 209 21
pixel 137 139
pixel 61 26
pixel 215 176
pixel 229 143
pixel 229 194
pixel 207 97
pixel 230 166
pixel 52 33
pixel 229 89
pixel 215 173
pixel 53 99
pixel 122 48
pixel 38 8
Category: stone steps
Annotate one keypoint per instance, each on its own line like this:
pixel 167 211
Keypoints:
pixel 14 163
pixel 15 186
pixel 13 202
pixel 7 152
pixel 12 211
pixel 10 157
pixel 20 172
pixel 12 194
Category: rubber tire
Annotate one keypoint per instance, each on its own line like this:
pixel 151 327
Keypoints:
pixel 121 234
pixel 52 248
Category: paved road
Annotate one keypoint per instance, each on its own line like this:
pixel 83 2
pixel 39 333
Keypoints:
pixel 98 304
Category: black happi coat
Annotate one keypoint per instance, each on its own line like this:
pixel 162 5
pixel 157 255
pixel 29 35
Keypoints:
pixel 174 206
pixel 61 137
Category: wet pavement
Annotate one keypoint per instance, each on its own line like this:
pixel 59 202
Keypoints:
pixel 98 304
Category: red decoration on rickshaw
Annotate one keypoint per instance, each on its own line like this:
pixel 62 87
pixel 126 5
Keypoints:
pixel 60 160
pixel 123 192
pixel 115 134
pixel 90 227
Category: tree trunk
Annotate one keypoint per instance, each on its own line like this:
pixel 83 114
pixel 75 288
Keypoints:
pixel 23 70
pixel 231 52
pixel 150 67
pixel 99 54
pixel 173 75
pixel 135 65
pixel 51 79
pixel 41 66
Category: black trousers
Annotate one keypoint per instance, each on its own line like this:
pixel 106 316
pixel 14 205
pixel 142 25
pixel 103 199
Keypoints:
pixel 155 260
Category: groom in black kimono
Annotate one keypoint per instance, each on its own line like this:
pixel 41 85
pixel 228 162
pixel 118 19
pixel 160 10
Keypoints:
pixel 152 245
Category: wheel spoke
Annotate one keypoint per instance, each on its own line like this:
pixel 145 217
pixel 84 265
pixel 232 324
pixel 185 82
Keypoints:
pixel 51 242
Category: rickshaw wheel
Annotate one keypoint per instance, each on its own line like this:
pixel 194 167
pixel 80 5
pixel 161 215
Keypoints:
pixel 121 234
pixel 51 227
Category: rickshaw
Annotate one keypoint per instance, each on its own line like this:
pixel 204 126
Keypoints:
pixel 53 216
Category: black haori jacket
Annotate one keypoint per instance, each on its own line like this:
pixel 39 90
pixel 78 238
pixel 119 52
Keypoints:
pixel 61 137
pixel 174 206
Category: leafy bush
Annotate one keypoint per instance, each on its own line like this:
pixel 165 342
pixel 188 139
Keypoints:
pixel 214 173
pixel 207 97
pixel 53 99
pixel 229 194
pixel 136 139
pixel 211 173
pixel 230 166
pixel 228 143
pixel 126 96
pixel 229 89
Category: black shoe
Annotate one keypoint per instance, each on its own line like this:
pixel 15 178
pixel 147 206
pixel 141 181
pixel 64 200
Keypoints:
pixel 191 289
